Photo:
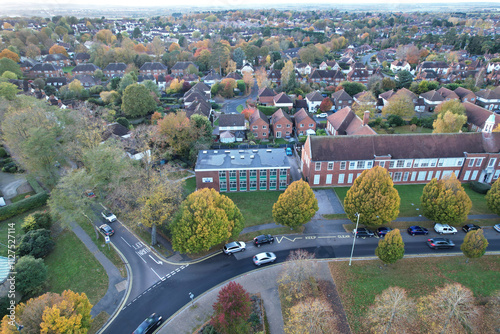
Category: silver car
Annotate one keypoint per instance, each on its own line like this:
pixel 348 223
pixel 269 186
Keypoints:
pixel 234 247
pixel 263 258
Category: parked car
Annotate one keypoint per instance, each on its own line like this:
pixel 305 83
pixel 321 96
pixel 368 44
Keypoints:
pixel 147 326
pixel 363 232
pixel 106 230
pixel 263 258
pixel 497 228
pixel 289 151
pixel 234 247
pixel 263 239
pixel 470 227
pixel 109 216
pixel 444 229
pixel 322 115
pixel 382 231
pixel 414 230
pixel 438 243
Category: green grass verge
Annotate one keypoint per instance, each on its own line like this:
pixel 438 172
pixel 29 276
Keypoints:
pixel 109 252
pixel 67 261
pixel 178 175
pixel 68 69
pixel 20 197
pixel 403 130
pixel 256 207
pixel 410 199
pixel 98 322
pixel 239 108
pixel 359 284
pixel 189 186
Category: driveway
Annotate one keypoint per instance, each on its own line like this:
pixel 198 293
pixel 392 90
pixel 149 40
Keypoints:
pixel 10 182
pixel 328 202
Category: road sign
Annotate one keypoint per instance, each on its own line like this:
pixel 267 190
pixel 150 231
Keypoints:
pixel 106 238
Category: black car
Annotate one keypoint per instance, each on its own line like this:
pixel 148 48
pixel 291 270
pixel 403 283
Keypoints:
pixel 414 230
pixel 363 232
pixel 106 230
pixel 148 325
pixel 438 243
pixel 470 227
pixel 263 239
pixel 382 231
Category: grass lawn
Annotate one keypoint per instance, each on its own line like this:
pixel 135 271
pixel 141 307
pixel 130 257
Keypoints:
pixel 68 69
pixel 66 262
pixel 178 175
pixel 239 108
pixel 189 186
pixel 280 141
pixel 410 199
pixel 255 206
pixel 403 130
pixel 359 284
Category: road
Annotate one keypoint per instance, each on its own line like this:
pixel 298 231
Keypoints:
pixel 169 295
pixel 230 105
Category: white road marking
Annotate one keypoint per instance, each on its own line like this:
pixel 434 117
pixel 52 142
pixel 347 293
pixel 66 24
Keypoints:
pixel 279 239
pixel 152 258
pixel 126 241
pixel 157 275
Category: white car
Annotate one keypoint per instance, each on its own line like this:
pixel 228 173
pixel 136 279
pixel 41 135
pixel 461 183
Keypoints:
pixel 234 247
pixel 323 114
pixel 444 229
pixel 497 228
pixel 109 216
pixel 263 258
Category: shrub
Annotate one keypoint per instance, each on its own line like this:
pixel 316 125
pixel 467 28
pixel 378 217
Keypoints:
pixel 123 121
pixel 24 205
pixel 415 120
pixel 9 168
pixel 37 221
pixel 35 185
pixel 395 120
pixel 3 153
pixel 427 122
pixel 31 275
pixel 479 187
pixel 36 243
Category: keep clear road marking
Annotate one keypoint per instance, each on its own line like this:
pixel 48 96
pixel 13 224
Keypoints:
pixel 312 237
pixel 279 239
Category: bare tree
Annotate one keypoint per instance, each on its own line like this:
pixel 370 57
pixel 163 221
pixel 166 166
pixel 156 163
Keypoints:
pixel 297 270
pixel 391 311
pixel 313 316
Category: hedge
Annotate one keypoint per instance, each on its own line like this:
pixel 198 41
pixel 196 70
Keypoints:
pixel 35 185
pixel 479 187
pixel 268 111
pixel 24 205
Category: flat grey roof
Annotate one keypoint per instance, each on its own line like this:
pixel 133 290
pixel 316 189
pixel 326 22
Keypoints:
pixel 215 160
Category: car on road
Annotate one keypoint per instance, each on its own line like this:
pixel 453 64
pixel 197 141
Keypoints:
pixel 234 247
pixel 417 230
pixel 289 151
pixel 109 216
pixel 439 243
pixel 263 239
pixel 497 228
pixel 106 230
pixel 470 227
pixel 322 115
pixel 382 231
pixel 363 232
pixel 147 326
pixel 263 258
pixel 444 229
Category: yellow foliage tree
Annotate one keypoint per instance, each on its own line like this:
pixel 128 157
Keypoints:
pixel 6 53
pixel 174 47
pixel 312 315
pixel 58 49
pixel 140 48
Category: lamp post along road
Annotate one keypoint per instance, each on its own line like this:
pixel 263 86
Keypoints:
pixel 354 238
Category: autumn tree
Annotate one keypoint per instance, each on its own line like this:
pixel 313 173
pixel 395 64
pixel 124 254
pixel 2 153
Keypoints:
pixel 231 66
pixel 493 197
pixel 6 53
pixel 54 49
pixel 391 312
pixel 286 73
pixel 451 117
pixel 326 104
pixel 374 197
pixel 400 104
pixel 474 245
pixel 297 271
pixel 312 315
pixel 296 206
pixel 261 77
pixel 31 275
pixel 232 309
pixel 248 80
pixel 228 85
pixel 247 113
pixel 175 132
pixel 137 101
pixel 352 88
pixel 159 202
pixel 391 248
pixel 105 36
pixel 445 201
pixel 366 101
pixel 8 91
pixel 206 218
pixel 448 310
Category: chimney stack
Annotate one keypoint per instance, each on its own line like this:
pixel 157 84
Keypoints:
pixel 366 117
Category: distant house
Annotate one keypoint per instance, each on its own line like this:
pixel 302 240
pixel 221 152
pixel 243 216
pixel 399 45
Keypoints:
pixel 211 78
pixel 266 95
pixel 314 100
pixel 282 101
pixel 81 57
pixel 199 107
pixel 431 99
pixel 465 95
pixel 45 70
pixel 400 65
pixel 153 68
pixel 232 122
pixel 201 88
pixel 346 122
pixel 480 119
pixel 341 99
pixel 86 80
pixel 180 68
pixel 334 77
pixel 115 70
pixel 304 68
pixel 489 99
pixel 358 75
pixel 329 65
pixel 303 122
pixel 281 124
pixel 57 82
pixel 234 75
pixel 247 67
pixel 259 125
pixel 274 76
pixel 57 59
pixel 85 68
pixel 448 94
pixel 439 67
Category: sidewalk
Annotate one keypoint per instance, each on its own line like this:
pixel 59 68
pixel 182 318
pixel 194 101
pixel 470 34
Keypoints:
pixel 263 281
pixel 116 283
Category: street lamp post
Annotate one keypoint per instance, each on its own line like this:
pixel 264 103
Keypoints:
pixel 354 238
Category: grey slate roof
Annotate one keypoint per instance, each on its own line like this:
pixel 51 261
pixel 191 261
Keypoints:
pixel 231 120
pixel 243 159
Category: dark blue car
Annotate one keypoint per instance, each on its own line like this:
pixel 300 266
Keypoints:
pixel 382 231
pixel 414 230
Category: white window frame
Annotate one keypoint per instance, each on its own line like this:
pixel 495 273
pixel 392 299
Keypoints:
pixel 330 165
pixel 341 178
pixel 479 162
pixel 317 166
pixel 343 165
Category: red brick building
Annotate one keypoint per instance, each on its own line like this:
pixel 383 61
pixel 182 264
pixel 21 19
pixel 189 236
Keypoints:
pixel 259 125
pixel 242 170
pixel 282 124
pixel 409 158
pixel 303 122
